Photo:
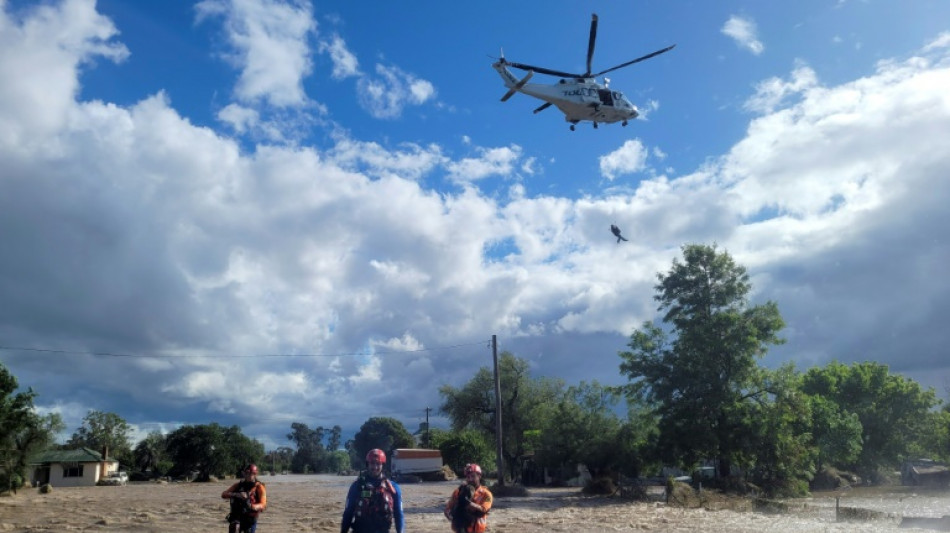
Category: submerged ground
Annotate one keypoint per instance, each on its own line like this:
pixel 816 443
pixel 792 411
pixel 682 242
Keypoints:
pixel 315 503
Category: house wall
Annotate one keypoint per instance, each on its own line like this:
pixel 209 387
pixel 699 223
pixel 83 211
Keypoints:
pixel 91 474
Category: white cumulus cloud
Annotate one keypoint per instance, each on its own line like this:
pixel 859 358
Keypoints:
pixel 631 157
pixel 743 31
pixel 385 95
pixel 269 40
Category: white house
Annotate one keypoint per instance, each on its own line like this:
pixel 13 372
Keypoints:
pixel 82 467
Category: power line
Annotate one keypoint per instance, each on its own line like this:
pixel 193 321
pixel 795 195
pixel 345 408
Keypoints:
pixel 233 356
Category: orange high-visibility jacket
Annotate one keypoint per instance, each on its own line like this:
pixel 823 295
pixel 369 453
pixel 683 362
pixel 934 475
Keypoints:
pixel 483 498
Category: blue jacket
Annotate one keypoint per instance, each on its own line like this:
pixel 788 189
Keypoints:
pixel 353 499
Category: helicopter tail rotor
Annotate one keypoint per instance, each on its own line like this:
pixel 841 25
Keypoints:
pixel 517 86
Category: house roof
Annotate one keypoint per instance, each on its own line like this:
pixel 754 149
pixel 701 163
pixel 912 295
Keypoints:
pixel 78 455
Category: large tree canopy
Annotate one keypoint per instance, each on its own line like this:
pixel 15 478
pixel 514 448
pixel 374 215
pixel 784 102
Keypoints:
pixel 893 411
pixel 211 450
pixel 381 432
pixel 582 428
pixel 101 430
pixel 522 398
pixel 311 454
pixel 462 447
pixel 150 455
pixel 701 371
pixel 22 431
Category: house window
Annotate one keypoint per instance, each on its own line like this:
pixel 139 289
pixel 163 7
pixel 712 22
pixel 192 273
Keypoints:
pixel 72 470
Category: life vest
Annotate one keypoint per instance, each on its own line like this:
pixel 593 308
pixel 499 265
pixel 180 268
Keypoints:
pixel 241 507
pixel 374 510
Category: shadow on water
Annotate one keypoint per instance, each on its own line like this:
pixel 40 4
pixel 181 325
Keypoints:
pixel 910 507
pixel 922 522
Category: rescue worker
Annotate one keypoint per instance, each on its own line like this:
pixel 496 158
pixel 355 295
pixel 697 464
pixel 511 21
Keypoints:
pixel 468 507
pixel 248 499
pixel 373 503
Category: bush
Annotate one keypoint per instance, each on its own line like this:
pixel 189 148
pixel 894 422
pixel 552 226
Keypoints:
pixel 602 486
pixel 508 491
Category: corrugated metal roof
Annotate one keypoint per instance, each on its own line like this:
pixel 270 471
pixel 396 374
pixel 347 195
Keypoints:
pixel 79 455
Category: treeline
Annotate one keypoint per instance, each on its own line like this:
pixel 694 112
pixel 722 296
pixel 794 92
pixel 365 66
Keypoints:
pixel 695 395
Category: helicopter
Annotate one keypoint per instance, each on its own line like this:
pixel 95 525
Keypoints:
pixel 578 96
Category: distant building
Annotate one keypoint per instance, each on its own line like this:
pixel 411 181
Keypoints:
pixel 416 461
pixel 82 467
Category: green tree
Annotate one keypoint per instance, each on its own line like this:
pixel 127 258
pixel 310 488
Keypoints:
pixel 22 431
pixel 781 453
pixel 335 439
pixel 882 402
pixel 703 374
pixel 211 450
pixel 356 460
pixel 338 461
pixel 935 439
pixel 462 447
pixel 583 429
pixel 311 454
pixel 195 450
pixel 381 432
pixel 523 400
pixel 837 434
pixel 279 460
pixel 636 442
pixel 240 450
pixel 150 454
pixel 103 431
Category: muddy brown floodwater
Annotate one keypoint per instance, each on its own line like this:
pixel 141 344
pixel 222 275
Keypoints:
pixel 315 503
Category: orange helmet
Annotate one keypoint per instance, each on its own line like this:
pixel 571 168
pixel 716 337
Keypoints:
pixel 472 467
pixel 252 468
pixel 376 454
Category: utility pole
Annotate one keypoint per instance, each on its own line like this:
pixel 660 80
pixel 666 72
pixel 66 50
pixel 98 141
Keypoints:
pixel 428 442
pixel 500 461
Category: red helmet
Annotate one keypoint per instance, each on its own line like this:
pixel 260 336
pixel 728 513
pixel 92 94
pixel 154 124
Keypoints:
pixel 252 468
pixel 376 454
pixel 472 467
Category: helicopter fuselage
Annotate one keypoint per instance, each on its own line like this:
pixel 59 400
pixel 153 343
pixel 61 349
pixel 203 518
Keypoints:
pixel 580 99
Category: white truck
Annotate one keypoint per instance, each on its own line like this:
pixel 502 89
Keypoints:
pixel 415 461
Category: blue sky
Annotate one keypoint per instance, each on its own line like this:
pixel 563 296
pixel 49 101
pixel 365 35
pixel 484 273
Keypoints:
pixel 336 184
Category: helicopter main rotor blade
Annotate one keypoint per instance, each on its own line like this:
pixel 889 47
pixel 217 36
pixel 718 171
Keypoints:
pixel 542 70
pixel 637 60
pixel 590 43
